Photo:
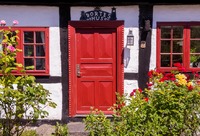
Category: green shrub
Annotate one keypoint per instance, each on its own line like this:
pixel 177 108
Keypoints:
pixel 20 96
pixel 60 130
pixel 98 124
pixel 29 133
pixel 169 106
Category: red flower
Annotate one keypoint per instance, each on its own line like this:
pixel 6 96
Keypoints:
pixel 119 106
pixel 149 84
pixel 140 90
pixel 146 99
pixel 178 65
pixel 190 87
pixel 182 69
pixel 150 73
pixel 134 90
pixel 132 93
pixel 163 79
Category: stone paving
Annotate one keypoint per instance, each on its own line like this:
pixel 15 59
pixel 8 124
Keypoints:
pixel 74 128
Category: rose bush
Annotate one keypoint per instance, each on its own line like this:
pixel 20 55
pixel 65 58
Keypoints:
pixel 21 98
pixel 169 106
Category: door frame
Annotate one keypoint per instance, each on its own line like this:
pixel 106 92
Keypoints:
pixel 72 26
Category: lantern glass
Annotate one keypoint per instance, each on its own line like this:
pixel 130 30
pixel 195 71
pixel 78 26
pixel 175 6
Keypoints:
pixel 130 39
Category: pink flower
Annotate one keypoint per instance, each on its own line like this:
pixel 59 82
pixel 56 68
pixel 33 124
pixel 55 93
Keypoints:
pixel 15 22
pixel 3 22
pixel 11 48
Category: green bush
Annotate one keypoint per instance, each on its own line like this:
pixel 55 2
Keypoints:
pixel 20 96
pixel 29 133
pixel 60 130
pixel 169 106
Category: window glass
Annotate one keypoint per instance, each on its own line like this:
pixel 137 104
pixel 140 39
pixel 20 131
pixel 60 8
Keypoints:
pixel 40 50
pixel 40 37
pixel 165 31
pixel 177 59
pixel 28 50
pixel 195 31
pixel 28 37
pixel 165 60
pixel 195 46
pixel 177 46
pixel 177 32
pixel 165 46
pixel 40 64
pixel 28 62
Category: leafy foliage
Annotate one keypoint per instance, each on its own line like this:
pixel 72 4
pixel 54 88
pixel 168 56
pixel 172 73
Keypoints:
pixel 29 133
pixel 169 106
pixel 20 96
pixel 60 130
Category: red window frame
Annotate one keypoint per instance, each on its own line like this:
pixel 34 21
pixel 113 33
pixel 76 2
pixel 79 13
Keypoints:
pixel 185 48
pixel 21 55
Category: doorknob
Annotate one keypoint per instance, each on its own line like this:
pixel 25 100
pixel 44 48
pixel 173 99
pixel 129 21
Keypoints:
pixel 78 73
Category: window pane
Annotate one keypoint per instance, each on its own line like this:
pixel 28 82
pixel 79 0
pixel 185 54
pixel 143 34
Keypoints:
pixel 39 37
pixel 165 46
pixel 28 50
pixel 194 46
pixel 177 32
pixel 177 59
pixel 177 46
pixel 40 51
pixel 165 31
pixel 28 37
pixel 165 60
pixel 194 60
pixel 28 62
pixel 195 32
pixel 40 64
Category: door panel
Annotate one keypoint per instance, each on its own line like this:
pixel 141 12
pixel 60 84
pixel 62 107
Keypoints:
pixel 85 95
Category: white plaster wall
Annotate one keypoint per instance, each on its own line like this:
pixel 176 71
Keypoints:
pixel 42 16
pixel 56 96
pixel 130 85
pixel 171 13
pixel 130 15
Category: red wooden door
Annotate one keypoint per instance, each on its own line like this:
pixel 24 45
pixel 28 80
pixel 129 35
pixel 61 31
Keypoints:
pixel 95 67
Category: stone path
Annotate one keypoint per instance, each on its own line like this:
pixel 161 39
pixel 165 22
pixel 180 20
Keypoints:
pixel 74 128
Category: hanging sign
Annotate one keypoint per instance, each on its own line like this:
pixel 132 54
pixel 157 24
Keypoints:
pixel 98 15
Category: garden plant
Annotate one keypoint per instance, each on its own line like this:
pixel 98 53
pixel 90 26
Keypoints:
pixel 169 106
pixel 22 100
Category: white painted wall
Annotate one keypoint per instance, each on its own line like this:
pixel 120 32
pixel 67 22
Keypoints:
pixel 48 17
pixel 130 15
pixel 171 13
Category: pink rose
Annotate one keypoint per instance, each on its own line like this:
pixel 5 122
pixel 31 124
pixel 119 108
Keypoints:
pixel 15 22
pixel 11 48
pixel 3 22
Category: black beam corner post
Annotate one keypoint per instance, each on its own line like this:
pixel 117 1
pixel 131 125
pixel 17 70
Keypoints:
pixel 145 25
pixel 64 13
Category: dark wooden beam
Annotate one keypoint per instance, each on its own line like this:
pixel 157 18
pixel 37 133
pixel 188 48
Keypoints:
pixel 145 13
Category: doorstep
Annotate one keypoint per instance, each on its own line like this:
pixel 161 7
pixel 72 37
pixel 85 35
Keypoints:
pixel 77 129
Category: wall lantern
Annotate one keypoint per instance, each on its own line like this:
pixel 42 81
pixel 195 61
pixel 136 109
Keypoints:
pixel 130 38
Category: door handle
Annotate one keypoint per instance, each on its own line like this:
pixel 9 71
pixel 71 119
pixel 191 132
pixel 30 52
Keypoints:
pixel 78 72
